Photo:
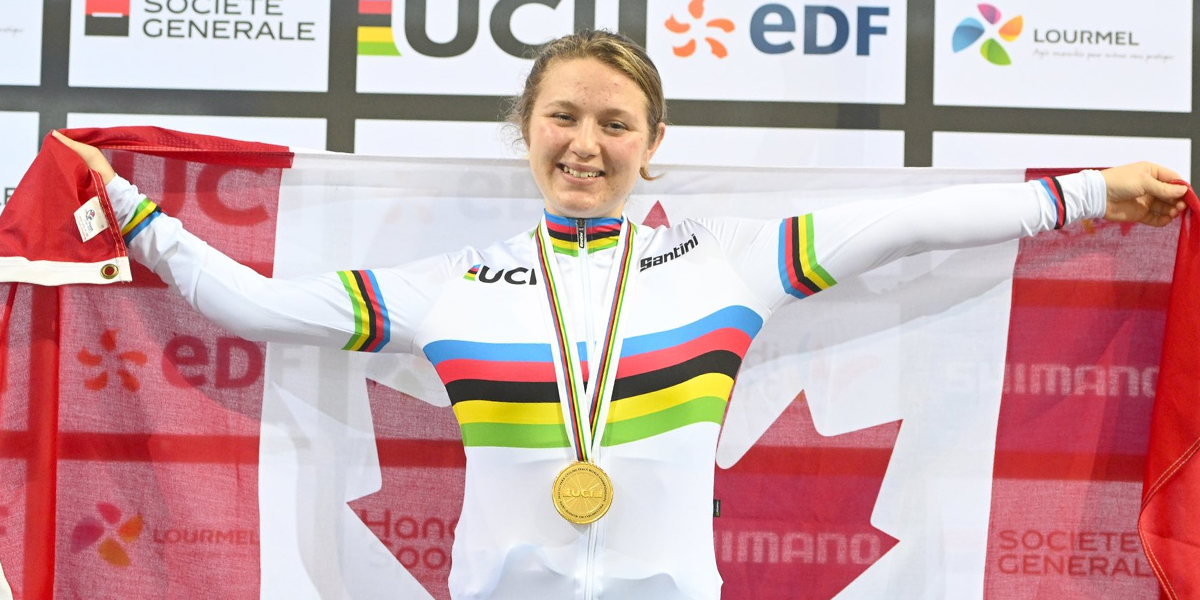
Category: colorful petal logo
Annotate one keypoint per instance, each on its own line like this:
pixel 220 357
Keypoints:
pixel 696 10
pixel 88 531
pixel 970 30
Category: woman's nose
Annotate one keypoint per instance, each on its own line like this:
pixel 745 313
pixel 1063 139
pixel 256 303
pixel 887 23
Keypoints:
pixel 586 141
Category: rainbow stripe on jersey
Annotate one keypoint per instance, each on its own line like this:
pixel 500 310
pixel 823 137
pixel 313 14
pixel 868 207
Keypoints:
pixel 145 212
pixel 506 395
pixel 1055 192
pixel 372 328
pixel 799 271
pixel 602 234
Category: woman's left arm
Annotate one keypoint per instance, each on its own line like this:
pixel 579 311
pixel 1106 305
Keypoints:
pixel 853 239
pixel 806 254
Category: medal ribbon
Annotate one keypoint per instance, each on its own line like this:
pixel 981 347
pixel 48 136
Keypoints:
pixel 583 434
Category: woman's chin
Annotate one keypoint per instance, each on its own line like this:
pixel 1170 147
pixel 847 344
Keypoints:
pixel 583 209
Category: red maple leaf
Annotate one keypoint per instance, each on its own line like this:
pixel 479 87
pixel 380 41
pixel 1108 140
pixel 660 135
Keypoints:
pixel 657 217
pixel 415 511
pixel 795 519
pixel 819 487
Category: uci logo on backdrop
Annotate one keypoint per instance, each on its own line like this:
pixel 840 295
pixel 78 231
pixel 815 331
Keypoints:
pixel 772 50
pixel 467 47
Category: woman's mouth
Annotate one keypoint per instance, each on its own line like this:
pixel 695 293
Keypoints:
pixel 578 173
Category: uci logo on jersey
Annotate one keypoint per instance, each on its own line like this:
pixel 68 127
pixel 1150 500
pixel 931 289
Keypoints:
pixel 517 276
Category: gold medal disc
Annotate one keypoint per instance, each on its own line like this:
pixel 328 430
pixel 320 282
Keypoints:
pixel 582 493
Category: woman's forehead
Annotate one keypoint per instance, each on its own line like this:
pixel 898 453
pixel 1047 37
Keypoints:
pixel 587 81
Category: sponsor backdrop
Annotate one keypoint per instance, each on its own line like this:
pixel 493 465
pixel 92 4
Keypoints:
pixel 200 44
pixel 1032 150
pixel 829 51
pixel 20 42
pixel 1064 54
pixel 18 130
pixel 824 83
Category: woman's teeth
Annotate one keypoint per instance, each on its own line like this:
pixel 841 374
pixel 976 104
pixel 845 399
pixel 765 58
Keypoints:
pixel 585 174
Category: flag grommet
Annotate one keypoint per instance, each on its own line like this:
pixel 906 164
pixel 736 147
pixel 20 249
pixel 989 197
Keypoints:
pixel 109 271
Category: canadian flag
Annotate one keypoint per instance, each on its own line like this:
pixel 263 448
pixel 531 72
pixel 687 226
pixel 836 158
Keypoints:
pixel 968 424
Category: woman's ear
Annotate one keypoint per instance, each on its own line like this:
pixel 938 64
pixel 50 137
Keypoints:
pixel 661 131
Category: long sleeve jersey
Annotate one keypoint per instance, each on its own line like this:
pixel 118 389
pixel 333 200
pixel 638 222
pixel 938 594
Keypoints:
pixel 699 294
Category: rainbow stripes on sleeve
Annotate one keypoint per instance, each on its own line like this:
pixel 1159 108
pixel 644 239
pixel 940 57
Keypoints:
pixel 372 328
pixel 145 212
pixel 799 271
pixel 1055 192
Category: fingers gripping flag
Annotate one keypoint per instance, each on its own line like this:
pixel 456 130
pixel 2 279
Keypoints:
pixel 58 227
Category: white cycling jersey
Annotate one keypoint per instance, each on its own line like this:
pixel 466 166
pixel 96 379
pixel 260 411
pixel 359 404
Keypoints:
pixel 700 292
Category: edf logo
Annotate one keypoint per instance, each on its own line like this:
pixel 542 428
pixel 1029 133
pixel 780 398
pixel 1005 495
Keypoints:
pixel 772 24
pixel 772 27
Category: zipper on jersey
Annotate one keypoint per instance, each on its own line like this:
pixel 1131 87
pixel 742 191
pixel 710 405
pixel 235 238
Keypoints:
pixel 585 273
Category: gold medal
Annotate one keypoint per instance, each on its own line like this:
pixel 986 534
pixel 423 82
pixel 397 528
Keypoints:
pixel 582 493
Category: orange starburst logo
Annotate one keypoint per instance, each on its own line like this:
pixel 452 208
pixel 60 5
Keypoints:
pixel 696 11
pixel 111 359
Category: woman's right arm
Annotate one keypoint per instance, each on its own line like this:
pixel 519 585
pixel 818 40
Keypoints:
pixel 345 309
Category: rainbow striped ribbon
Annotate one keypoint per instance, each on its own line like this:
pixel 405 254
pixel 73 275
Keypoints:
pixel 585 433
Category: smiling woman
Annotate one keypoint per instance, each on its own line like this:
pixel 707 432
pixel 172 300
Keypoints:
pixel 591 385
pixel 589 138
pixel 592 114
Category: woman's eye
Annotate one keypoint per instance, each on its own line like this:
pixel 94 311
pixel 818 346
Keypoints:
pixel 561 117
pixel 617 126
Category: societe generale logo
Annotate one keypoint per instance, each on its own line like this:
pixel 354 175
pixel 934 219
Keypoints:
pixel 106 18
pixel 695 9
pixel 110 532
pixel 970 29
pixel 112 360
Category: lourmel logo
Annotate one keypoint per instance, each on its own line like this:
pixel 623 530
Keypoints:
pixel 969 31
pixel 89 531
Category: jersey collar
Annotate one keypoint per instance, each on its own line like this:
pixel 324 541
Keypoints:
pixel 600 233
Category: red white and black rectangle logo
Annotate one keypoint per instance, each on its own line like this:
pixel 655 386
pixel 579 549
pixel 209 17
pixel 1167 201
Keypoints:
pixel 106 17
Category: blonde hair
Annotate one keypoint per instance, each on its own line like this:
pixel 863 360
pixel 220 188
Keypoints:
pixel 612 49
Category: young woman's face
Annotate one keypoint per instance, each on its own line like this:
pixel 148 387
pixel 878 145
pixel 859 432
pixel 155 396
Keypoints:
pixel 588 138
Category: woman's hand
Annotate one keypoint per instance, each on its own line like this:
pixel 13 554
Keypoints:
pixel 1139 193
pixel 90 155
